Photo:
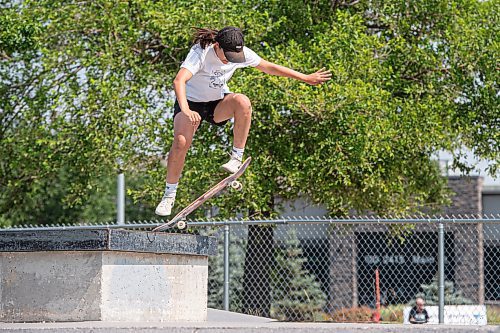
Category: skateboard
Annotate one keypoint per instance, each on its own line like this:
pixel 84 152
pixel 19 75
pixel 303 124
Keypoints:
pixel 230 180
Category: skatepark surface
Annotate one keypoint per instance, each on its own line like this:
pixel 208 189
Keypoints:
pixel 224 321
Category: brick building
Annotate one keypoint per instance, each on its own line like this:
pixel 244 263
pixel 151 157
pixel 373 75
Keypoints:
pixel 356 253
pixel 472 252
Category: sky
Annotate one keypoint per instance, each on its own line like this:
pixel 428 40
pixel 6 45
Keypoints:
pixel 471 159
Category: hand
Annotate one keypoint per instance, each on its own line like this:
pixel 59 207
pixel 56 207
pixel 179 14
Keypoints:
pixel 318 77
pixel 194 117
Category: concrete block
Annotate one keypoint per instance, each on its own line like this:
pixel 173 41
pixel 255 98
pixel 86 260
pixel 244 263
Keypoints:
pixel 104 275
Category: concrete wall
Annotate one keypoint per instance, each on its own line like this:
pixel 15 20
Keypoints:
pixel 103 275
pixel 153 287
pixel 102 286
pixel 60 287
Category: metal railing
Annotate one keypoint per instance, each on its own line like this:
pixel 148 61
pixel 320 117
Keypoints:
pixel 323 269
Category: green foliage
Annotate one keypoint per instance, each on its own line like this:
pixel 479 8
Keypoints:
pixel 431 294
pixel 392 313
pixel 87 84
pixel 297 296
pixel 493 314
pixel 17 32
pixel 216 276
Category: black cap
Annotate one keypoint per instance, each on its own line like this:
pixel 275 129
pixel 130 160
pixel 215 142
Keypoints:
pixel 231 41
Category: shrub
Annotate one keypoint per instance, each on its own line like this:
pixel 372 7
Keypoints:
pixel 431 291
pixel 493 314
pixel 352 315
pixel 392 313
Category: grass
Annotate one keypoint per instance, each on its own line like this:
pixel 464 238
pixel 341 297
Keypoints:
pixel 361 314
pixel 493 314
pixel 392 313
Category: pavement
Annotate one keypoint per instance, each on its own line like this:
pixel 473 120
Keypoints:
pixel 224 321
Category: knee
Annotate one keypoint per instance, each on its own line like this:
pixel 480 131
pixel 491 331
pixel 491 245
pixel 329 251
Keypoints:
pixel 180 143
pixel 243 104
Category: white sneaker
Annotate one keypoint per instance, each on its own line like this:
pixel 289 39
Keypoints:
pixel 164 208
pixel 233 165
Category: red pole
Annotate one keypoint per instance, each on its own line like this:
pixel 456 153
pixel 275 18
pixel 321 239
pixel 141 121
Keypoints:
pixel 376 315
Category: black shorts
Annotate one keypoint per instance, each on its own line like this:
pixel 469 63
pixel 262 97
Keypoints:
pixel 205 109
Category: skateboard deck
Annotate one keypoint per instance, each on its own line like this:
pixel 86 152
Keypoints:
pixel 229 180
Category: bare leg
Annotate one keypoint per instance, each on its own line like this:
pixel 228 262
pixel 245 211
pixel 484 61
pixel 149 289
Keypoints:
pixel 183 136
pixel 236 106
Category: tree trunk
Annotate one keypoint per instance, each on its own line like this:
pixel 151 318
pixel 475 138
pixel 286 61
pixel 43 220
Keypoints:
pixel 259 261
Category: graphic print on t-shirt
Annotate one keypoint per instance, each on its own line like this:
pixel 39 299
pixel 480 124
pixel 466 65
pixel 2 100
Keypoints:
pixel 420 317
pixel 210 75
pixel 217 79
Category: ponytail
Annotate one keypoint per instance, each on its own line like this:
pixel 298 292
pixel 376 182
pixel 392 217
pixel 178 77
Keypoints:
pixel 204 36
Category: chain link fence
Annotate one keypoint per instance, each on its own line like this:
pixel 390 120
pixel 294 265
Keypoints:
pixel 325 270
pixel 348 270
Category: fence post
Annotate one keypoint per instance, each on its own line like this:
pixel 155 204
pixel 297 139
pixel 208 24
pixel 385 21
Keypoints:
pixel 441 273
pixel 120 199
pixel 376 315
pixel 226 267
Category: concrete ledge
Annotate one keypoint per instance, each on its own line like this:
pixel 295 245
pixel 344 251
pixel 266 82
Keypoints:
pixel 103 275
pixel 106 240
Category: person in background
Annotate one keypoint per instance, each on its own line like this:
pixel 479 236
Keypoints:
pixel 418 314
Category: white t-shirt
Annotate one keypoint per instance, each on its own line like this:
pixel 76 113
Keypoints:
pixel 210 75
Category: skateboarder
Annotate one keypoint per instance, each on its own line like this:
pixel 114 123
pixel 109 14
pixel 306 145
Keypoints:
pixel 202 94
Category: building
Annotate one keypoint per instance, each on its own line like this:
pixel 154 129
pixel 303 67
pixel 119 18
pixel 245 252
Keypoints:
pixel 472 252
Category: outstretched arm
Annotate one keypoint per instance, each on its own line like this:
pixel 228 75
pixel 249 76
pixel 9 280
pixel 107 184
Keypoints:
pixel 315 78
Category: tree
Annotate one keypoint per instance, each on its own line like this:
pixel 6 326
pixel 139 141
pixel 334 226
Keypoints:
pixel 216 276
pixel 297 296
pixel 430 293
pixel 92 87
pixel 259 261
pixel 85 85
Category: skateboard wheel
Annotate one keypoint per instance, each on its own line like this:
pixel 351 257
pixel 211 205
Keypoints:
pixel 236 185
pixel 181 225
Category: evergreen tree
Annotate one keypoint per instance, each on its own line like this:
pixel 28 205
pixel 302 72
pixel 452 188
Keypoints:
pixel 431 294
pixel 297 296
pixel 216 276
